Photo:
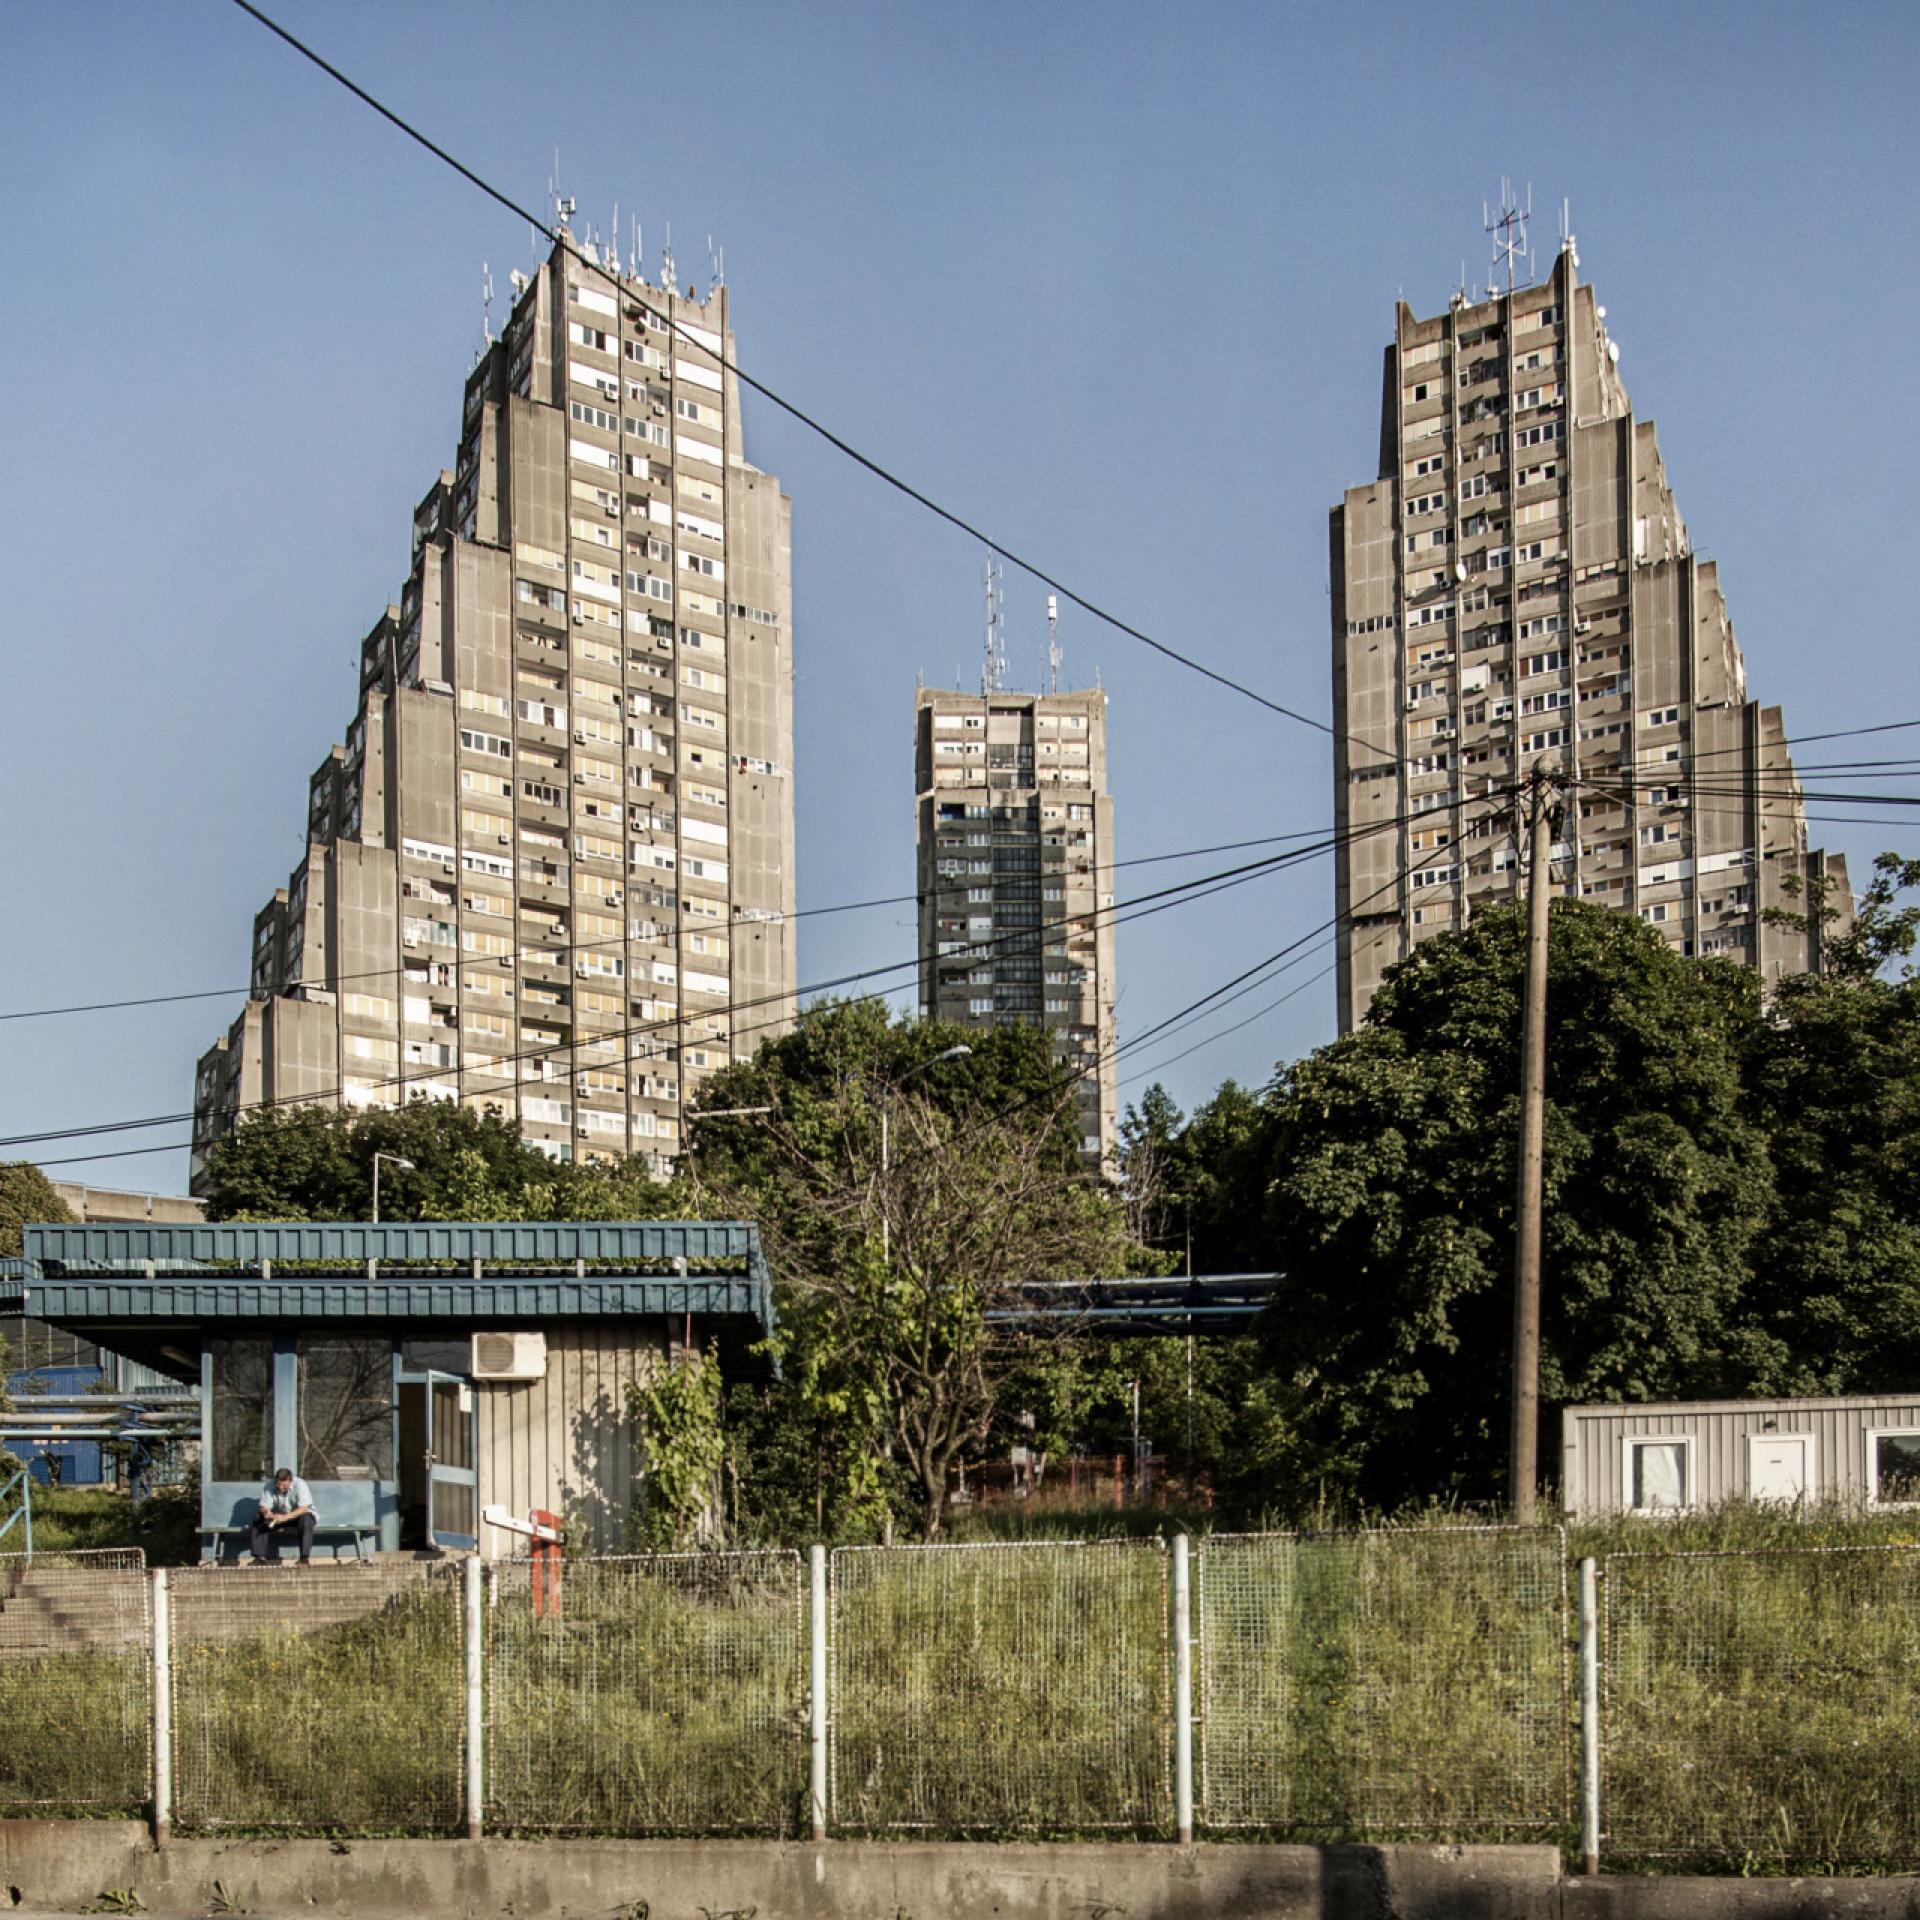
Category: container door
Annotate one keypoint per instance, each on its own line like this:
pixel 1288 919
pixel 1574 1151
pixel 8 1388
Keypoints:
pixel 1779 1466
pixel 453 1511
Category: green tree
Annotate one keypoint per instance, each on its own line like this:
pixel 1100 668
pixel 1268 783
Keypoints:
pixel 906 1200
pixel 27 1198
pixel 316 1163
pixel 1835 1079
pixel 1388 1199
pixel 676 1416
pixel 1857 946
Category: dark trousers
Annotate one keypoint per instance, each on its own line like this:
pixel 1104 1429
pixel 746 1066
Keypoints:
pixel 265 1540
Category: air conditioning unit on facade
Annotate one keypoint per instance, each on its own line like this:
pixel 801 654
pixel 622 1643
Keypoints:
pixel 509 1356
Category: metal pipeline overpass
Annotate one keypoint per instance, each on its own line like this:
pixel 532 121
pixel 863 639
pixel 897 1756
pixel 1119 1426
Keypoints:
pixel 1209 1303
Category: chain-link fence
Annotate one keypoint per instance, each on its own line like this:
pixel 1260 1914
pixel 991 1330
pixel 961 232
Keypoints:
pixel 76 1683
pixel 664 1694
pixel 1020 1688
pixel 1762 1710
pixel 318 1699
pixel 1369 1685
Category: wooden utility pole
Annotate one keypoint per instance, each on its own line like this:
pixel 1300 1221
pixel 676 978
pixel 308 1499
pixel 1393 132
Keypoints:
pixel 1523 1464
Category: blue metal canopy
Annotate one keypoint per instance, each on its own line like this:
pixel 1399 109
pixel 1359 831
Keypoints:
pixel 461 1271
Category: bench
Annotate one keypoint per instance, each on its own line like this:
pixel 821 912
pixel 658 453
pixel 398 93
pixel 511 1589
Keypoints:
pixel 338 1532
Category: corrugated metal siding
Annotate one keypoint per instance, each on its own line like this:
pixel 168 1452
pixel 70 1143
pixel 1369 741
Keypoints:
pixel 564 1443
pixel 1592 1454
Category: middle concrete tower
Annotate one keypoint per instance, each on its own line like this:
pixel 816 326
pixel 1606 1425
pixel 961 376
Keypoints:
pixel 1014 833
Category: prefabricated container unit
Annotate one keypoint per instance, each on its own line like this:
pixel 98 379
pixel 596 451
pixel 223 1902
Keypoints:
pixel 1666 1457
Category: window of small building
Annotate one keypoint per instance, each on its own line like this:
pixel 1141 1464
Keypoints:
pixel 1659 1474
pixel 1893 1469
pixel 242 1409
pixel 346 1407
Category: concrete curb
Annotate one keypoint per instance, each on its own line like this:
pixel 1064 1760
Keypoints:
pixel 60 1867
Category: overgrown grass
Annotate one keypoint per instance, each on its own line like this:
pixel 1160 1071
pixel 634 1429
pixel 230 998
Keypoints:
pixel 1045 1519
pixel 354 1728
pixel 77 1519
pixel 1762 1703
pixel 1762 1711
pixel 1373 1686
pixel 74 1734
pixel 665 1697
pixel 1018 1689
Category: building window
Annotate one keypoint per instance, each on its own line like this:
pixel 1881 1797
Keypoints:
pixel 1659 1473
pixel 242 1409
pixel 1893 1469
pixel 346 1407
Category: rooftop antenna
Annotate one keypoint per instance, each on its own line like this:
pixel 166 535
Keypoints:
pixel 1568 245
pixel 993 676
pixel 486 304
pixel 1053 643
pixel 716 264
pixel 613 243
pixel 666 261
pixel 636 262
pixel 1509 233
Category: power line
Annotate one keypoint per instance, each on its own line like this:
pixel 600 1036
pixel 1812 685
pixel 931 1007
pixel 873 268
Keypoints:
pixel 1139 907
pixel 956 520
pixel 504 961
pixel 177 1146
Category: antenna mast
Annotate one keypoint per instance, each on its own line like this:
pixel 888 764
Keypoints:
pixel 486 304
pixel 1053 643
pixel 993 676
pixel 1509 234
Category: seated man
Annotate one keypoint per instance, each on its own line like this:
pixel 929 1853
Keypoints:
pixel 286 1506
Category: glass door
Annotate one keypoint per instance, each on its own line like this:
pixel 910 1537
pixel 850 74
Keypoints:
pixel 453 1495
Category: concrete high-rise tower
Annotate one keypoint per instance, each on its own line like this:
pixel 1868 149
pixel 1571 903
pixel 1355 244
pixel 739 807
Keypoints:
pixel 1518 585
pixel 1014 837
pixel 550 872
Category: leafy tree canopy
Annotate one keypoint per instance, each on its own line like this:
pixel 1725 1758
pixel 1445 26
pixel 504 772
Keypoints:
pixel 316 1163
pixel 1388 1199
pixel 27 1198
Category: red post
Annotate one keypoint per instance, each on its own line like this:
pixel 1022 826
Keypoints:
pixel 546 1564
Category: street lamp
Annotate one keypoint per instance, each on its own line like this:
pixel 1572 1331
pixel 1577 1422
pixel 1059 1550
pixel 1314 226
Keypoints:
pixel 392 1160
pixel 961 1052
pixel 710 1113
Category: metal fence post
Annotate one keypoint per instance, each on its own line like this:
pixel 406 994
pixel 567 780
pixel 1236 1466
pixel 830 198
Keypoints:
pixel 817 1690
pixel 1182 1694
pixel 472 1575
pixel 162 1646
pixel 1589 1718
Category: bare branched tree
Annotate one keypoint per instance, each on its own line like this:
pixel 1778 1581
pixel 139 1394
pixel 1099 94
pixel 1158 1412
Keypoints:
pixel 912 1267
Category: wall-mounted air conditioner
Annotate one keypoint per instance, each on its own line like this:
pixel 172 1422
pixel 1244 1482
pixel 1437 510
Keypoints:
pixel 509 1356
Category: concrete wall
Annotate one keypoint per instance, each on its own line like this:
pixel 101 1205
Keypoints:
pixel 61 1866
pixel 51 1866
pixel 87 1203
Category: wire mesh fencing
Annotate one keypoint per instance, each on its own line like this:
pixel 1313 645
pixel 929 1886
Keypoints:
pixel 318 1699
pixel 76 1683
pixel 1012 1688
pixel 666 1693
pixel 1762 1710
pixel 1370 1685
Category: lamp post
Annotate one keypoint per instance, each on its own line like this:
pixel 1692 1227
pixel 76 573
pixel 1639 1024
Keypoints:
pixel 393 1160
pixel 712 1113
pixel 961 1052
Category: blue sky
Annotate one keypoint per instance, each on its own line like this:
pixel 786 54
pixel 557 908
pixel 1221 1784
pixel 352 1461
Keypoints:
pixel 1113 281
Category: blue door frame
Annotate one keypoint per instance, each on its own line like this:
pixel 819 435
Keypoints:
pixel 452 1430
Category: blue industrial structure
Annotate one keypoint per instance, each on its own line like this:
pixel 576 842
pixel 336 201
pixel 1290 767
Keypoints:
pixel 1213 1303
